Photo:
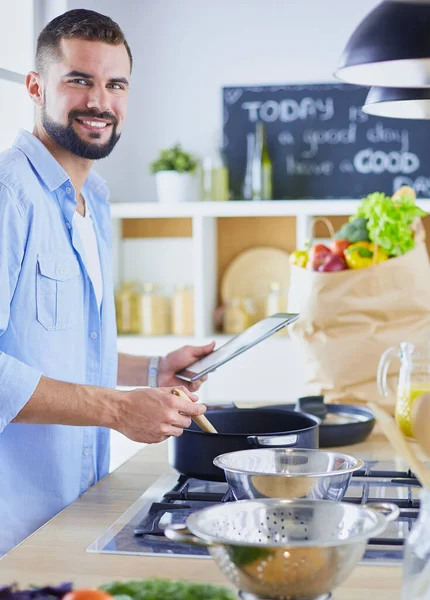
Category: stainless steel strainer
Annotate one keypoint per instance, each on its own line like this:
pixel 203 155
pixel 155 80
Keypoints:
pixel 285 549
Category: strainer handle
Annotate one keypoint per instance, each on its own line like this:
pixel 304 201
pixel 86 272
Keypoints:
pixel 389 511
pixel 180 533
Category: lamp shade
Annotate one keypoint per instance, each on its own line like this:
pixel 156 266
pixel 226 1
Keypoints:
pixel 390 47
pixel 398 103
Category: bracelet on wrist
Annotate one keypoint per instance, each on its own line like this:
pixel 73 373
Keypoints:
pixel 153 366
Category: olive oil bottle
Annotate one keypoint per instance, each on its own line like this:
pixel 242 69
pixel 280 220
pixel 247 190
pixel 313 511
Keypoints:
pixel 247 180
pixel 262 172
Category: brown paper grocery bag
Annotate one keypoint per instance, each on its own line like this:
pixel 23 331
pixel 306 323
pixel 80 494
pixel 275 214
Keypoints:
pixel 348 318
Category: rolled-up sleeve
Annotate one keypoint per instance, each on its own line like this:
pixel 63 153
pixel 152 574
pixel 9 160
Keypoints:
pixel 18 380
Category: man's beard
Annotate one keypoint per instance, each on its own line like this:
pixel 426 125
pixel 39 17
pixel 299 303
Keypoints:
pixel 66 136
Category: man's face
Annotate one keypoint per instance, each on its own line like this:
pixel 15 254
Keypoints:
pixel 85 97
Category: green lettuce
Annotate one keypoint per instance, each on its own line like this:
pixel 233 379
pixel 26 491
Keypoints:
pixel 166 589
pixel 389 221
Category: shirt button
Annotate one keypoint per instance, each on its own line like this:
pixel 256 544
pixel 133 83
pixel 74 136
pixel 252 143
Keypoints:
pixel 86 451
pixel 68 225
pixel 93 335
pixel 61 270
pixel 68 190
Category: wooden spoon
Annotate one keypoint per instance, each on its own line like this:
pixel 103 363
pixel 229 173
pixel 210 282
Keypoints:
pixel 400 444
pixel 420 421
pixel 201 420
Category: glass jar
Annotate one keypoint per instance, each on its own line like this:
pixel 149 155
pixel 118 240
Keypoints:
pixel 273 300
pixel 249 306
pixel 416 562
pixel 235 319
pixel 414 380
pixel 182 310
pixel 127 308
pixel 276 302
pixel 154 308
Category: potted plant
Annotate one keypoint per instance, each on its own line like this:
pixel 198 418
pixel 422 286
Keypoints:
pixel 175 175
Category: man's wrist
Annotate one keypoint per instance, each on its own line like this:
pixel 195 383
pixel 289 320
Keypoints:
pixel 153 370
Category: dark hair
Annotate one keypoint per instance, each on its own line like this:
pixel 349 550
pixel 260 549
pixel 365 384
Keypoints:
pixel 78 23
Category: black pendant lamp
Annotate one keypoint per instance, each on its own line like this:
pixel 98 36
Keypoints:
pixel 398 103
pixel 390 47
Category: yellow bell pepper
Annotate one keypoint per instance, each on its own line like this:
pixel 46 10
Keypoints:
pixel 299 258
pixel 361 255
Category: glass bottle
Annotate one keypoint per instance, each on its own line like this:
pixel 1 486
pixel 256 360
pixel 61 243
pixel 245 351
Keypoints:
pixel 416 562
pixel 220 181
pixel 182 310
pixel 154 311
pixel 206 191
pixel 247 180
pixel 127 308
pixel 215 181
pixel 261 166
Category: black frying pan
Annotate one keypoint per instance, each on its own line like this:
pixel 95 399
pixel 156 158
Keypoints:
pixel 341 424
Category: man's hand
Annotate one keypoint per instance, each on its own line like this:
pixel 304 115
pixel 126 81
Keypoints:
pixel 179 359
pixel 152 415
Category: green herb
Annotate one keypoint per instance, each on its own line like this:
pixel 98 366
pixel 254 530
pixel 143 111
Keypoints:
pixel 174 159
pixel 166 589
pixel 243 555
pixel 389 222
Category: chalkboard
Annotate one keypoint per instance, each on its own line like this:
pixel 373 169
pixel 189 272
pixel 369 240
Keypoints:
pixel 321 143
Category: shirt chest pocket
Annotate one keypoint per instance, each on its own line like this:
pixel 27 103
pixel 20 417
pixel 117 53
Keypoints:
pixel 59 290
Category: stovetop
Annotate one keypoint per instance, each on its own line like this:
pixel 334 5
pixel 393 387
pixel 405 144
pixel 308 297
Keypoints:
pixel 171 499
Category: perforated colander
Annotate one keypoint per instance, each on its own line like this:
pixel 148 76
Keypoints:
pixel 290 549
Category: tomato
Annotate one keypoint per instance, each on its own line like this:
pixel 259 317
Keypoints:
pixel 338 247
pixel 317 250
pixel 87 594
pixel 317 255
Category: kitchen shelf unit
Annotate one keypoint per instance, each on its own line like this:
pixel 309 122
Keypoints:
pixel 201 221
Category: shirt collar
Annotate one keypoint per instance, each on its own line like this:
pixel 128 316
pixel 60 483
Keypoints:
pixel 49 170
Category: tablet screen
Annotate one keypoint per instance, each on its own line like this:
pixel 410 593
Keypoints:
pixel 240 343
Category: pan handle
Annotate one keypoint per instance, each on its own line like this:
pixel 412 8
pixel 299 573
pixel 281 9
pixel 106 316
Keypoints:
pixel 180 533
pixel 272 441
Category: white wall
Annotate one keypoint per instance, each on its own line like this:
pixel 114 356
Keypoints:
pixel 185 51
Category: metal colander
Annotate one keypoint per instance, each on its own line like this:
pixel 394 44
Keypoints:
pixel 288 549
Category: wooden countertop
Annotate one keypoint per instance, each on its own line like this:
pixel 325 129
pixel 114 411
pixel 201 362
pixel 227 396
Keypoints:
pixel 57 551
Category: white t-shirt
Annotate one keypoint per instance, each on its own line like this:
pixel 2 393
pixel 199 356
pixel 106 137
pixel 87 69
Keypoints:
pixel 85 228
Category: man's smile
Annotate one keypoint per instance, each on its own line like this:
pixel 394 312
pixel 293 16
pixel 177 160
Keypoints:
pixel 92 124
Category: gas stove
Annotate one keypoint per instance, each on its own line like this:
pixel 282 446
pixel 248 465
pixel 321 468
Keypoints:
pixel 172 498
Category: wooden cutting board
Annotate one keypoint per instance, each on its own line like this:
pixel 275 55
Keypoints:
pixel 250 274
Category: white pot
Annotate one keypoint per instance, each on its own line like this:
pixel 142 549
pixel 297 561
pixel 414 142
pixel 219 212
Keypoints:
pixel 175 187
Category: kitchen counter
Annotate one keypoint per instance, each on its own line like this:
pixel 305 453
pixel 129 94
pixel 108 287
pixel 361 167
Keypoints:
pixel 57 551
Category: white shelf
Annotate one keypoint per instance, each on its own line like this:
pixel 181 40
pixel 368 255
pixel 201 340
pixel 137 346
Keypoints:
pixel 272 370
pixel 273 208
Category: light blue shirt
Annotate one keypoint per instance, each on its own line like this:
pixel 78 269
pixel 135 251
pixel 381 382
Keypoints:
pixel 50 325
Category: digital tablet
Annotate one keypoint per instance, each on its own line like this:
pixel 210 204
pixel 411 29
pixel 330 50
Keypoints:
pixel 240 343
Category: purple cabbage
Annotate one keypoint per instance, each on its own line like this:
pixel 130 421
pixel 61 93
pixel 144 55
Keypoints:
pixel 12 592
